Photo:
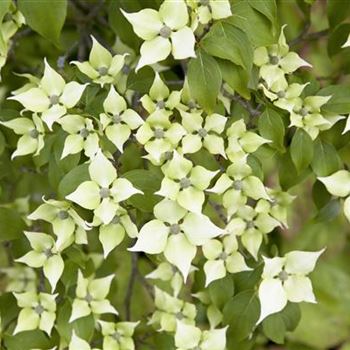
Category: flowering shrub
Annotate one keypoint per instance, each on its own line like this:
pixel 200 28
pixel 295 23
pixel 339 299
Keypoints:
pixel 157 159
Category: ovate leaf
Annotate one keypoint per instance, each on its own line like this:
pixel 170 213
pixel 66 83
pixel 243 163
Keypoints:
pixel 11 224
pixel 326 160
pixel 301 150
pixel 204 79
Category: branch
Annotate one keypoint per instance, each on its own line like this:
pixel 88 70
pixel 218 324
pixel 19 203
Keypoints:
pixel 130 288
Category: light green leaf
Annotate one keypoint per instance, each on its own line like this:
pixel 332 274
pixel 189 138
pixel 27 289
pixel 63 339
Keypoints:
pixel 301 150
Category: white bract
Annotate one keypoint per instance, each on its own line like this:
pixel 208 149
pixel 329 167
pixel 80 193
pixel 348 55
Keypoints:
pixel 32 135
pixel 185 183
pixel 45 254
pixel 91 297
pixel 38 311
pixel 163 32
pixel 118 121
pixel 285 279
pixel 102 68
pixel 176 233
pixel 52 98
pixel 104 191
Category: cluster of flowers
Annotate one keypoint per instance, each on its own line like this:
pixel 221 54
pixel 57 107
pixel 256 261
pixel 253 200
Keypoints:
pixel 173 129
pixel 275 63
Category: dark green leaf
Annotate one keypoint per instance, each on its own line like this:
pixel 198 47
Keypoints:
pixel 326 160
pixel 267 8
pixel 338 38
pixel 338 10
pixel 320 195
pixel 45 17
pixel 301 150
pixel 141 81
pixel 274 328
pixel 204 79
pixel 291 316
pixel 221 291
pixel 271 127
pixel 11 224
pixel 339 102
pixel 148 182
pixel 235 76
pixel 230 43
pixel 73 179
pixel 241 313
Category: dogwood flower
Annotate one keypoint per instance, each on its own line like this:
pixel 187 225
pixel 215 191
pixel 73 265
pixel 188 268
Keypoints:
pixel 19 279
pixel 169 309
pixel 169 273
pixel 275 61
pixel 185 183
pixel 284 96
pixel 45 254
pixel 285 279
pixel 159 135
pixel 338 184
pixel 177 233
pixel 160 97
pixel 203 132
pixel 102 68
pixel 188 337
pixel 205 11
pixel 238 184
pixel 90 297
pixel 67 225
pixel 79 343
pixel 306 114
pixel 52 98
pixel 38 311
pixel 222 257
pixel 251 225
pixel 113 233
pixel 241 141
pixel 118 335
pixel 104 191
pixel 32 135
pixel 163 32
pixel 117 120
pixel 81 136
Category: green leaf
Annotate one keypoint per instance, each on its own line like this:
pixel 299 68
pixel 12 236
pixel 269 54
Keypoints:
pixel 301 150
pixel 291 316
pixel 204 79
pixel 320 195
pixel 267 8
pixel 142 80
pixel 221 291
pixel 148 182
pixel 326 160
pixel 46 17
pixel 228 42
pixel 271 127
pixel 4 7
pixel 11 224
pixel 235 76
pixel 241 313
pixel 73 179
pixel 337 39
pixel 340 101
pixel 338 11
pixel 274 328
pixel 29 340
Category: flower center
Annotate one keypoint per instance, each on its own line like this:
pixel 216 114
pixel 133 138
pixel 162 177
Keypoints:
pixel 105 192
pixel 281 94
pixel 39 309
pixel 303 112
pixel 54 99
pixel 283 276
pixel 48 252
pixel 88 297
pixel 185 182
pixel 84 133
pixel 223 256
pixel 158 133
pixel 117 119
pixel 250 224
pixel 202 132
pixel 160 104
pixel 274 60
pixel 165 32
pixel 63 215
pixel 237 185
pixel 168 155
pixel 179 315
pixel 103 71
pixel 126 69
pixel 116 336
pixel 116 220
pixel 175 229
pixel 191 104
pixel 34 133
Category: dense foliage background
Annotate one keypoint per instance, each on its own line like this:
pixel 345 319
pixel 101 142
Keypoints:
pixel 60 32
